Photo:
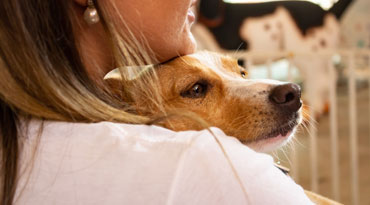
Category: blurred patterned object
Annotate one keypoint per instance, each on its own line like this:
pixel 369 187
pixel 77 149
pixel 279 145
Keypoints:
pixel 355 26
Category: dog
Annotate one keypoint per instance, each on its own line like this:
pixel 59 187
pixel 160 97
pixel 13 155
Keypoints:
pixel 227 20
pixel 262 114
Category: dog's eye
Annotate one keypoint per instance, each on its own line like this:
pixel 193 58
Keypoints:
pixel 198 90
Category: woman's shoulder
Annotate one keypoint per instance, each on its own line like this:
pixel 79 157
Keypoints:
pixel 150 142
pixel 113 163
pixel 110 132
pixel 50 131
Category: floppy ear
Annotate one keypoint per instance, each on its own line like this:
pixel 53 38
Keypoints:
pixel 124 82
pixel 118 86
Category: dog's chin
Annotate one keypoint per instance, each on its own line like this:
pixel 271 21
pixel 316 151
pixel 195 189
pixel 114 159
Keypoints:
pixel 271 143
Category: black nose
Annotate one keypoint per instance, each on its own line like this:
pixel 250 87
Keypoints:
pixel 286 96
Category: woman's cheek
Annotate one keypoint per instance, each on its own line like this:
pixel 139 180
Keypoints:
pixel 189 44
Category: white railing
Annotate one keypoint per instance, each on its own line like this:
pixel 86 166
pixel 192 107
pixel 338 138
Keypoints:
pixel 348 56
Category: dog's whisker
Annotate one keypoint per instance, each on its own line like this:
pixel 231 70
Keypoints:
pixel 297 142
pixel 309 131
pixel 294 143
pixel 305 126
pixel 239 121
pixel 308 123
pixel 311 120
pixel 275 155
pixel 307 114
pixel 284 151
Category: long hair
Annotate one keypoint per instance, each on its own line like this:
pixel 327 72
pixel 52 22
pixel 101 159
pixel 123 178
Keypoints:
pixel 42 75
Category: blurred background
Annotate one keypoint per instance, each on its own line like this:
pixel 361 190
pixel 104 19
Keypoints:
pixel 323 45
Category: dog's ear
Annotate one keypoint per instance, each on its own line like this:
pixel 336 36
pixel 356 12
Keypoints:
pixel 119 86
pixel 127 82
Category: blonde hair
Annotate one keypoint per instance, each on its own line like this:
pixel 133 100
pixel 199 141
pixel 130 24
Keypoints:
pixel 42 75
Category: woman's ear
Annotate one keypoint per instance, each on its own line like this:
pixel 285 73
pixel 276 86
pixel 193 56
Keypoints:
pixel 81 2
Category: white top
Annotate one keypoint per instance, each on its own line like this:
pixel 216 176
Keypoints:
pixel 110 163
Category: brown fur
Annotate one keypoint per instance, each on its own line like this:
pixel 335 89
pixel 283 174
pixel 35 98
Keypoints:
pixel 239 106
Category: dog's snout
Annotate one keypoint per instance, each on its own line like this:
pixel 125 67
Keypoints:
pixel 286 96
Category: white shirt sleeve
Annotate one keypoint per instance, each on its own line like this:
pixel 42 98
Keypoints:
pixel 212 179
pixel 110 163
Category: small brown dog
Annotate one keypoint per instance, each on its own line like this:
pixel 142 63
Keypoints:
pixel 261 113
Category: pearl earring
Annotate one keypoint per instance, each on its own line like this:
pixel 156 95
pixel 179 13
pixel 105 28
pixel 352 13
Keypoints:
pixel 91 15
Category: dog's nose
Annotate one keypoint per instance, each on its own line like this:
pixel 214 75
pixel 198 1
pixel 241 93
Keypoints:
pixel 286 96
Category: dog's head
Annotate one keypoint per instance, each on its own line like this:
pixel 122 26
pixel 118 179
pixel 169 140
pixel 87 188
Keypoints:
pixel 260 113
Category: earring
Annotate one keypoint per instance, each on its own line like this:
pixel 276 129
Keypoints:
pixel 91 15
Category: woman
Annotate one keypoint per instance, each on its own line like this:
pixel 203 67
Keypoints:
pixel 53 56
